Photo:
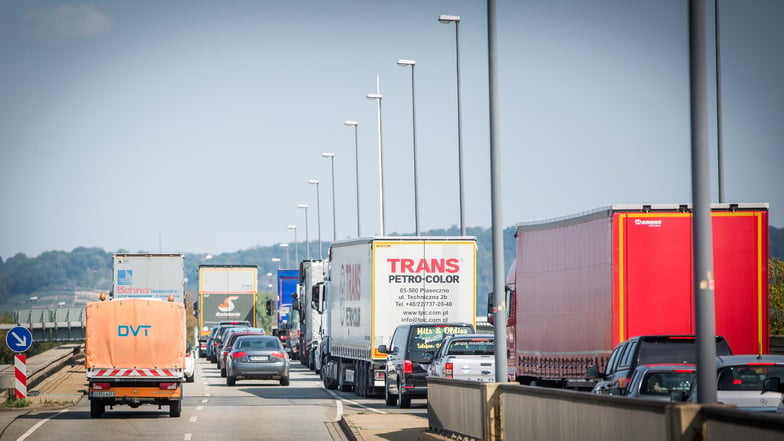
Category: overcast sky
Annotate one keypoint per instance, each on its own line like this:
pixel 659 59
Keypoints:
pixel 194 126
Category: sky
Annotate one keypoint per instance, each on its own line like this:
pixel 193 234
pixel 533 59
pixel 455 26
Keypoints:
pixel 195 126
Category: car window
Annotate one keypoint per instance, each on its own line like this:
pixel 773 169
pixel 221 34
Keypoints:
pixel 663 383
pixel 614 357
pixel 628 355
pixel 428 338
pixel 746 377
pixel 484 346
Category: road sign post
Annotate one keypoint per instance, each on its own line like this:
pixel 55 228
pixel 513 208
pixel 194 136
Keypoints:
pixel 19 339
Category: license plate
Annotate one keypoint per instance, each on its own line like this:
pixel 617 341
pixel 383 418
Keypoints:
pixel 258 358
pixel 102 394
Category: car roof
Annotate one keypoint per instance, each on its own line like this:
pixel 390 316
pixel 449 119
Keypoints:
pixel 737 360
pixel 469 336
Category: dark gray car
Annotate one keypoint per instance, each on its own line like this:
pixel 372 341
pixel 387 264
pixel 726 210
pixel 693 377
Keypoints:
pixel 259 357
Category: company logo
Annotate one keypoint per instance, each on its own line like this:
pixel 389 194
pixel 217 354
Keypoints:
pixel 125 277
pixel 416 266
pixel 134 331
pixel 228 304
pixel 653 223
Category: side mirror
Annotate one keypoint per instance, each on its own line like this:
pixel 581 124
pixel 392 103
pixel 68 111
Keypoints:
pixel 593 372
pixel 383 349
pixel 490 308
pixel 428 357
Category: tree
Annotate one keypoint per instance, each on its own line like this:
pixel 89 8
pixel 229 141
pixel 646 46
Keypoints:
pixel 776 296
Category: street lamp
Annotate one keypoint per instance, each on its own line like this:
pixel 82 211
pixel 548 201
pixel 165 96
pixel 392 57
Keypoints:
pixel 307 238
pixel 446 19
pixel 318 212
pixel 286 246
pixel 356 156
pixel 412 63
pixel 296 244
pixel 276 260
pixel 331 157
pixel 377 96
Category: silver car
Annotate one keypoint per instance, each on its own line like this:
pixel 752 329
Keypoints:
pixel 257 357
pixel 740 379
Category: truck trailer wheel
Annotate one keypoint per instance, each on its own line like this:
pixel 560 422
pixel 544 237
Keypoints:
pixel 175 409
pixel 97 409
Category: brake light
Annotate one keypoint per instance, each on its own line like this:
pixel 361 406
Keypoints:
pixel 168 386
pixel 101 386
pixel 683 370
pixel 737 382
pixel 238 354
pixel 762 364
pixel 449 370
pixel 278 354
pixel 408 367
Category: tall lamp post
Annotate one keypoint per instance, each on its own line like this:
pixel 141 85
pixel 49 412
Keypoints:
pixel 307 238
pixel 286 246
pixel 412 63
pixel 276 260
pixel 356 162
pixel 318 212
pixel 377 96
pixel 331 157
pixel 296 245
pixel 446 19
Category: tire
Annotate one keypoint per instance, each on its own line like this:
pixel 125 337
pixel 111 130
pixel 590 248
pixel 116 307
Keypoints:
pixel 97 409
pixel 175 409
pixel 231 380
pixel 223 372
pixel 189 379
pixel 390 399
pixel 403 400
pixel 284 381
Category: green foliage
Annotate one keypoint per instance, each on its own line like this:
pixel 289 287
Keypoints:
pixel 776 296
pixel 16 403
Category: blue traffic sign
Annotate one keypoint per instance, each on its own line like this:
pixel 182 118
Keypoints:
pixel 19 339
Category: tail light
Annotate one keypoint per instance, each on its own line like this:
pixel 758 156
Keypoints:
pixel 167 386
pixel 408 367
pixel 449 370
pixel 238 354
pixel 101 386
pixel 278 354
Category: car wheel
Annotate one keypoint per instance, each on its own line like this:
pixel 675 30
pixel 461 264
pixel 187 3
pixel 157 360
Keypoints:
pixel 189 379
pixel 403 400
pixel 389 398
pixel 175 409
pixel 231 380
pixel 284 381
pixel 223 372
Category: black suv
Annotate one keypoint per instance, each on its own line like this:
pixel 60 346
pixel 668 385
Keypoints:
pixel 410 354
pixel 647 349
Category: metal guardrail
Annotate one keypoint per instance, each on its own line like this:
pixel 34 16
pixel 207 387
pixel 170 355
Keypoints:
pixel 41 366
pixel 61 324
pixel 489 411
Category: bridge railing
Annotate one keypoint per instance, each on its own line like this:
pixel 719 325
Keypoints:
pixel 498 411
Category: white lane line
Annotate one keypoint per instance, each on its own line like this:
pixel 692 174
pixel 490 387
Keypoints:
pixel 204 401
pixel 37 425
pixel 193 419
pixel 199 407
pixel 188 436
pixel 353 403
pixel 338 411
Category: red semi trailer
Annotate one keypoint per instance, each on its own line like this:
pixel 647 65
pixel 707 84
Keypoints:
pixel 579 285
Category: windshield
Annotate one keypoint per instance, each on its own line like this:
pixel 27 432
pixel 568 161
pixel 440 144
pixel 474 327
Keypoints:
pixel 662 383
pixel 680 350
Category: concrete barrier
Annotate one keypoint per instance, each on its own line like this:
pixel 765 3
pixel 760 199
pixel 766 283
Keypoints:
pixel 503 411
pixel 41 366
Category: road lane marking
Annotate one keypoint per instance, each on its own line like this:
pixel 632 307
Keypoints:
pixel 188 436
pixel 339 399
pixel 193 419
pixel 199 407
pixel 37 425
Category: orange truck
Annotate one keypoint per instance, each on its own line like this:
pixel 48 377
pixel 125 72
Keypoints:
pixel 135 354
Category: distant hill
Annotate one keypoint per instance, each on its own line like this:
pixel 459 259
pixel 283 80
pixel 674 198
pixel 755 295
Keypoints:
pixel 75 277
